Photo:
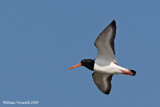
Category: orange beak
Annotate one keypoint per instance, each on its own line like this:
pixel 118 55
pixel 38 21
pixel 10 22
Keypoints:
pixel 75 66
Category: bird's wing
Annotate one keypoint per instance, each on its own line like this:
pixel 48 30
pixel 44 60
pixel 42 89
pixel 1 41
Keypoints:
pixel 103 81
pixel 105 43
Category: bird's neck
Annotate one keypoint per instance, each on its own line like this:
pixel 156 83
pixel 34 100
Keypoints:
pixel 90 65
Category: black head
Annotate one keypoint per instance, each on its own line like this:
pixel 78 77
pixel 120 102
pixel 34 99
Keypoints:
pixel 88 63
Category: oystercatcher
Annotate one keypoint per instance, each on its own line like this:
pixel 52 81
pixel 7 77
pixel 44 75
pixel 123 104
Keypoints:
pixel 105 64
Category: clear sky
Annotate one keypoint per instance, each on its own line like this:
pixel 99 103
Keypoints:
pixel 40 40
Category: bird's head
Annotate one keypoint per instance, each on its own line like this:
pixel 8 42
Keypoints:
pixel 88 63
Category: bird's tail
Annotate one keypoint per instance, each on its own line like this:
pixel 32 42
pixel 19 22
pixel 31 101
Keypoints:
pixel 133 71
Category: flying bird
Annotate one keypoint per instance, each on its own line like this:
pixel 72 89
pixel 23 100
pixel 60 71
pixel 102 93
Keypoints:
pixel 105 65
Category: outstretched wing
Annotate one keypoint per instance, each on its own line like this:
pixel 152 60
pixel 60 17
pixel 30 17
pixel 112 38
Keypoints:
pixel 103 81
pixel 105 43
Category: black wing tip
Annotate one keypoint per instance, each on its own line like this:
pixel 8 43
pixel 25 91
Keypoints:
pixel 107 92
pixel 113 23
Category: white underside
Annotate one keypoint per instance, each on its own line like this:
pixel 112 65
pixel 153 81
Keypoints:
pixel 109 68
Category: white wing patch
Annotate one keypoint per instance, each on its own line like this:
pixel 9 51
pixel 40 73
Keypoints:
pixel 105 43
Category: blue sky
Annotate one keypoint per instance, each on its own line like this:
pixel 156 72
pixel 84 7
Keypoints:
pixel 40 40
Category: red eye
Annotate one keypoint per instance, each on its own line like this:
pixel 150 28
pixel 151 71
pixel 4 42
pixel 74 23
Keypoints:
pixel 83 61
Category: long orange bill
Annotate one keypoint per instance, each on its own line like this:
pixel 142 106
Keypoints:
pixel 75 66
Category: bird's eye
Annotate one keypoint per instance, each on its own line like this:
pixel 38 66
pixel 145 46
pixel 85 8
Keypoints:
pixel 83 61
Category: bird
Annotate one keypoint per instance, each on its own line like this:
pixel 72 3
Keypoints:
pixel 105 64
